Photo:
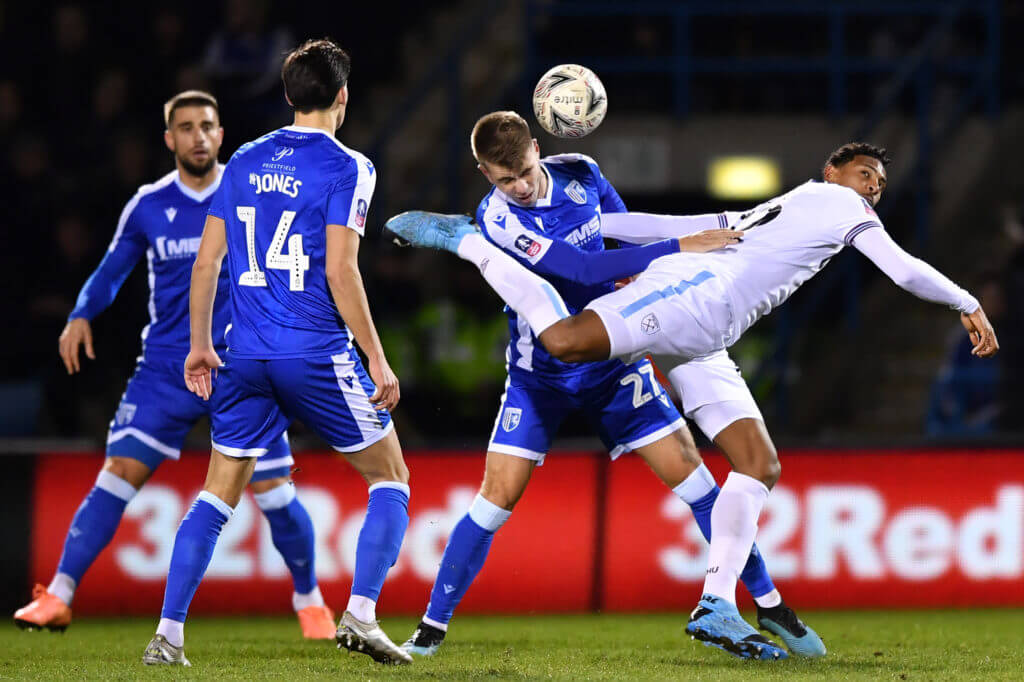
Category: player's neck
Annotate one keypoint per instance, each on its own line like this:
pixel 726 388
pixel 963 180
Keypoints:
pixel 198 183
pixel 325 120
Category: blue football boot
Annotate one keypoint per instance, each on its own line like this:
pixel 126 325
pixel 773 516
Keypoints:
pixel 430 230
pixel 799 639
pixel 716 622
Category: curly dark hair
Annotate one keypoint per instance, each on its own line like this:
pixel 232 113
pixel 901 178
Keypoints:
pixel 849 150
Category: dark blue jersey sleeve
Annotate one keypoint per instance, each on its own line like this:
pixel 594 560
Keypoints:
pixel 561 259
pixel 125 250
pixel 611 202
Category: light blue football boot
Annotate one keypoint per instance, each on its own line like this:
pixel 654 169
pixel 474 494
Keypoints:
pixel 716 622
pixel 799 639
pixel 430 230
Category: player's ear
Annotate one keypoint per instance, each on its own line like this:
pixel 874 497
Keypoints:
pixel 169 140
pixel 536 145
pixel 342 97
pixel 829 173
pixel 483 169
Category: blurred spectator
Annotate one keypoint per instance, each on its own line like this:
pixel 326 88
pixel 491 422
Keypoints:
pixel 965 399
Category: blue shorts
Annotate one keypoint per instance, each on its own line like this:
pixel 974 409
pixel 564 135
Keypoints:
pixel 157 412
pixel 625 403
pixel 257 399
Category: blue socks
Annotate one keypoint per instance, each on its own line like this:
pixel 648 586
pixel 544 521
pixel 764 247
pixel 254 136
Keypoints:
pixel 755 573
pixel 463 558
pixel 387 517
pixel 193 548
pixel 292 532
pixel 93 526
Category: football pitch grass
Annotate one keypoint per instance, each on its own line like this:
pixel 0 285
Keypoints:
pixel 863 645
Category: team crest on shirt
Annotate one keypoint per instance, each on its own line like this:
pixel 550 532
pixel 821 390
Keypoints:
pixel 361 213
pixel 575 191
pixel 511 418
pixel 125 413
pixel 650 324
pixel 527 245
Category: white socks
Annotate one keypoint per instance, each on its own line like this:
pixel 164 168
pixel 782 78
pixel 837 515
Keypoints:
pixel 173 630
pixel 767 601
pixel 302 601
pixel 363 608
pixel 488 515
pixel 524 292
pixel 697 485
pixel 733 527
pixel 63 587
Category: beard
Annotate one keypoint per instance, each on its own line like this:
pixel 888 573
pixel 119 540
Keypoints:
pixel 198 170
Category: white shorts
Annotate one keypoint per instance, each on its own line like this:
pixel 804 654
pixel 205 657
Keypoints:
pixel 711 389
pixel 675 308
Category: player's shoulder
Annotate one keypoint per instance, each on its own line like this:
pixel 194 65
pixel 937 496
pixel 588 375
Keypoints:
pixel 153 191
pixel 579 164
pixel 833 193
pixel 492 208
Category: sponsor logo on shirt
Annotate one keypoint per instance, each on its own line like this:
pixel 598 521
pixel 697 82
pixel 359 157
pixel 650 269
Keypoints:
pixel 282 152
pixel 585 232
pixel 527 245
pixel 361 212
pixel 575 191
pixel 275 182
pixel 169 249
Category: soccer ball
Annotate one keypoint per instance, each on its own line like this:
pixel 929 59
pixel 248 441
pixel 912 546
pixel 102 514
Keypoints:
pixel 569 101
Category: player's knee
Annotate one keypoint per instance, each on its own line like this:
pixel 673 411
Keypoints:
pixel 127 469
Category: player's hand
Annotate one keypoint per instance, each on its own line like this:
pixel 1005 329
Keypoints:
pixel 981 333
pixel 388 393
pixel 200 368
pixel 76 332
pixel 710 240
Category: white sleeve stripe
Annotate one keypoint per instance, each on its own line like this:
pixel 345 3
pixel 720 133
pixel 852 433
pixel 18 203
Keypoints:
pixel 126 213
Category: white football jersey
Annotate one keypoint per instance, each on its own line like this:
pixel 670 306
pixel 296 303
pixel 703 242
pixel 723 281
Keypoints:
pixel 786 241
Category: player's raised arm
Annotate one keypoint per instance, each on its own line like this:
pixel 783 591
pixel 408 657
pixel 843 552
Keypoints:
pixel 644 228
pixel 346 284
pixel 924 281
pixel 202 359
pixel 558 258
pixel 100 290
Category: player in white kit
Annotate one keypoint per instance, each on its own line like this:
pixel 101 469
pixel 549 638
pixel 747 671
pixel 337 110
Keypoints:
pixel 686 308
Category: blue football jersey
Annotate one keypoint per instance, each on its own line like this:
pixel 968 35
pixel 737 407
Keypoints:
pixel 164 221
pixel 278 195
pixel 577 194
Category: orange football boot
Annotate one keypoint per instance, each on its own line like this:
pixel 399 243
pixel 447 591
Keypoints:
pixel 45 611
pixel 317 622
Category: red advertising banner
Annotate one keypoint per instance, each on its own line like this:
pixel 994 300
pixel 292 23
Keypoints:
pixel 842 529
pixel 543 560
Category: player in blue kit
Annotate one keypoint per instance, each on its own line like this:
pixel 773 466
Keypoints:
pixel 289 215
pixel 548 214
pixel 163 221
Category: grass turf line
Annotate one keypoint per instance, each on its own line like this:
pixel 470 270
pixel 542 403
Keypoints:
pixel 863 645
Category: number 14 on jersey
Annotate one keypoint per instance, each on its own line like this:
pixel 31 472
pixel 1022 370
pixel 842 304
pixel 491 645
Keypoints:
pixel 295 261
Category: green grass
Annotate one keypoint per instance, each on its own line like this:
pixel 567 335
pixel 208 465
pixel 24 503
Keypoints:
pixel 899 645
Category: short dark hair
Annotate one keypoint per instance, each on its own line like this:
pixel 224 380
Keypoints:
pixel 313 73
pixel 189 98
pixel 502 138
pixel 845 154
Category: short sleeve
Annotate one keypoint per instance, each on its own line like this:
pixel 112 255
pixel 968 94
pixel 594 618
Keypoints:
pixel 349 200
pixel 218 204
